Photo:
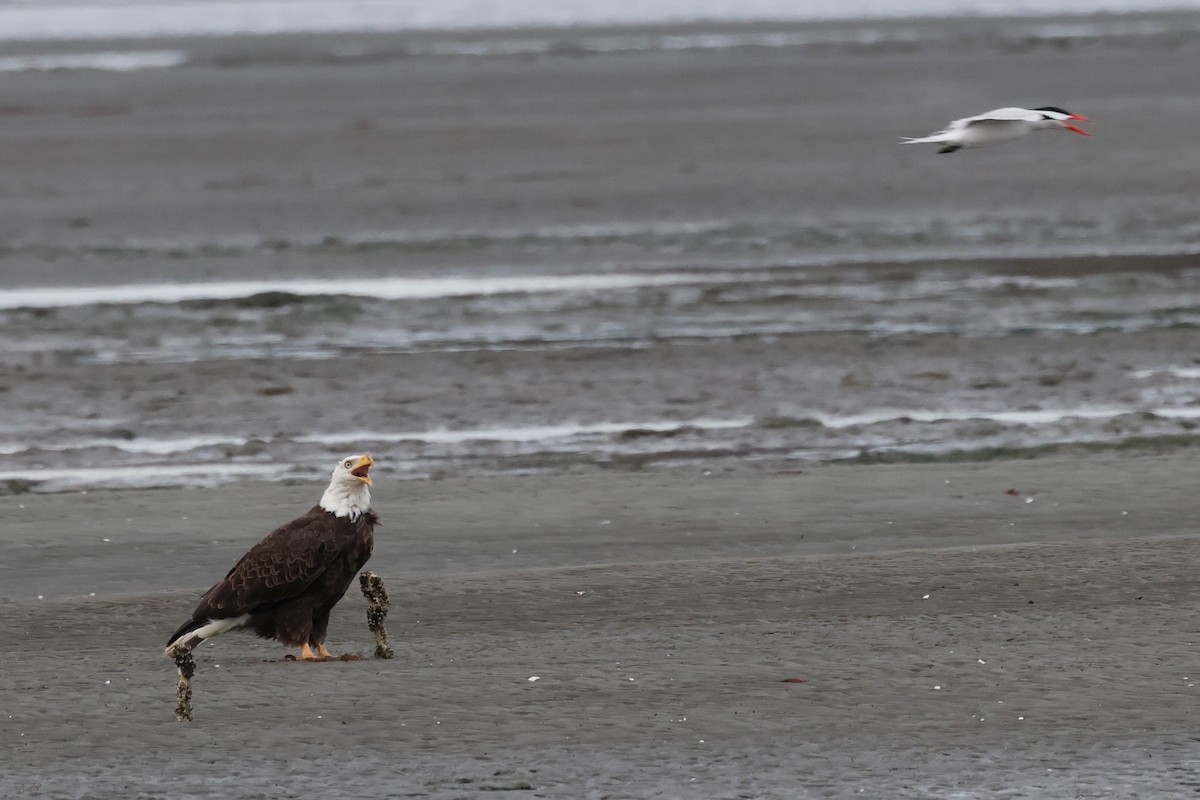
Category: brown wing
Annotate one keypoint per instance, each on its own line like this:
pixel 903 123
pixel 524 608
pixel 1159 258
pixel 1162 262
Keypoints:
pixel 281 566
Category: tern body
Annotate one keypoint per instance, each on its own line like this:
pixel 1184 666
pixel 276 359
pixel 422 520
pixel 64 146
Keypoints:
pixel 1000 125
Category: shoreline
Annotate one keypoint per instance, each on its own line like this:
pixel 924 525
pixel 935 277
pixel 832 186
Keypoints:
pixel 708 512
pixel 1055 261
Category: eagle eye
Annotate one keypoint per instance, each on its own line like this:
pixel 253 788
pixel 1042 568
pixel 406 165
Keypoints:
pixel 349 464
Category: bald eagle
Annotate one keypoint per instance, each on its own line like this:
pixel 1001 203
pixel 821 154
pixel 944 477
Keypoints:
pixel 285 587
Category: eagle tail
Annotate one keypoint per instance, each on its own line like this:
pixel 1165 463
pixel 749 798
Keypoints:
pixel 195 631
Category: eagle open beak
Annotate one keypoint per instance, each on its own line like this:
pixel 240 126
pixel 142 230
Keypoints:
pixel 362 468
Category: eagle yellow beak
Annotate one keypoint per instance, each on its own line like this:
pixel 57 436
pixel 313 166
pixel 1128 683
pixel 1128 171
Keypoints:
pixel 361 468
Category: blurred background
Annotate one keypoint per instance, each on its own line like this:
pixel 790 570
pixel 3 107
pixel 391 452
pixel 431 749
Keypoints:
pixel 243 238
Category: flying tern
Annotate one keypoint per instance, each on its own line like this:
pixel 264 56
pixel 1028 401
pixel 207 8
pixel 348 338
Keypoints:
pixel 1001 125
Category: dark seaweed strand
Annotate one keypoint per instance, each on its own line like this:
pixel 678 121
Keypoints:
pixel 377 609
pixel 183 690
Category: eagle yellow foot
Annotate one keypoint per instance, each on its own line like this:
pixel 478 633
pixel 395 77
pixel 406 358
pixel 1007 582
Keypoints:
pixel 307 654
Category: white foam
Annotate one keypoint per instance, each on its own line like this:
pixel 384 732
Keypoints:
pixel 533 433
pixel 108 61
pixel 651 42
pixel 550 434
pixel 1026 417
pixel 1180 412
pixel 147 446
pixel 768 39
pixel 169 446
pixel 144 475
pixel 1183 373
pixel 381 288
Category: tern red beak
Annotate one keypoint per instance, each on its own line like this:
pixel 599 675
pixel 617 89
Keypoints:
pixel 1073 128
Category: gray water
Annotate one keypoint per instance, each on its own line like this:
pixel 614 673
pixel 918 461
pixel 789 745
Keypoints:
pixel 105 19
pixel 164 328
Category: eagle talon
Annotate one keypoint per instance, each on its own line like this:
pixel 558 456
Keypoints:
pixel 321 653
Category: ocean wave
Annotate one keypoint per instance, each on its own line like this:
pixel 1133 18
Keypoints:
pixel 61 461
pixel 320 319
pixel 1185 373
pixel 272 292
pixel 114 61
pixel 1041 416
pixel 155 475
pixel 536 433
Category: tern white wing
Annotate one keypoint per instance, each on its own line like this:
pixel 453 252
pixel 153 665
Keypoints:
pixel 1000 125
pixel 968 129
pixel 998 115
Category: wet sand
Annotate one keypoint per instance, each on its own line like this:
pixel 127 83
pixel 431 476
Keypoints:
pixel 953 639
pixel 661 608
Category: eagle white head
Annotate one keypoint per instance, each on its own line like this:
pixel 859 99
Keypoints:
pixel 349 492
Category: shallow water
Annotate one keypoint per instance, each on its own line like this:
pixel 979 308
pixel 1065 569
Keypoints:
pixel 99 19
pixel 565 318
pixel 250 265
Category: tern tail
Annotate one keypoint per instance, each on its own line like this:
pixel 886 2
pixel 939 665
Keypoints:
pixel 935 137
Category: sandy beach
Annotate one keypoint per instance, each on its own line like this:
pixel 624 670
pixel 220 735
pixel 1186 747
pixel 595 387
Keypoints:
pixel 871 474
pixel 954 639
